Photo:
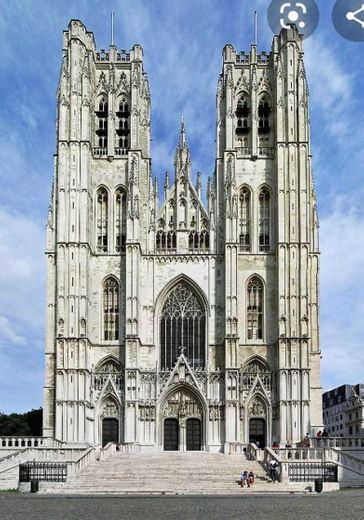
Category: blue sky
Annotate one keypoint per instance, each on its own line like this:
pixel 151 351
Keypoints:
pixel 182 43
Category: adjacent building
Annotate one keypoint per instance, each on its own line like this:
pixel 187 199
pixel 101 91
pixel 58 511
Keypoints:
pixel 343 410
pixel 174 324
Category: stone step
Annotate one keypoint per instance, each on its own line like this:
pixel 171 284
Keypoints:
pixel 164 473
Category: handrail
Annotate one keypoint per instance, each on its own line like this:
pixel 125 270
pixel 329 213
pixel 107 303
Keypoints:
pixel 336 442
pixel 254 453
pixel 291 454
pixel 19 442
pixel 39 455
pixel 347 460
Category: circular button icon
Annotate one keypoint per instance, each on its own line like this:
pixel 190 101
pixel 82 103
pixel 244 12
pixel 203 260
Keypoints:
pixel 304 14
pixel 348 19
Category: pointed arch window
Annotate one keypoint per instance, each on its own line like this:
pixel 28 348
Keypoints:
pixel 120 220
pixel 101 123
pixel 264 203
pixel 166 241
pixel 242 116
pixel 245 235
pixel 122 125
pixel 102 220
pixel 255 305
pixel 111 309
pixel 264 110
pixel 182 326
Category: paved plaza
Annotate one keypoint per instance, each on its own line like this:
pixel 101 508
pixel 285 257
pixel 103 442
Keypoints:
pixel 331 506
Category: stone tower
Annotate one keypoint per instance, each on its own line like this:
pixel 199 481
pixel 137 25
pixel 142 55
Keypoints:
pixel 177 326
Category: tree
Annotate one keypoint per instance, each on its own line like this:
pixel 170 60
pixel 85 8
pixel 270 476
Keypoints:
pixel 26 424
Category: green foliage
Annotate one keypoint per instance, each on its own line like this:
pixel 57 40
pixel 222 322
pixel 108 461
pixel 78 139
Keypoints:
pixel 26 424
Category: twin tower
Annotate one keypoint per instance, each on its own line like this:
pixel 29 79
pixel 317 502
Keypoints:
pixel 174 324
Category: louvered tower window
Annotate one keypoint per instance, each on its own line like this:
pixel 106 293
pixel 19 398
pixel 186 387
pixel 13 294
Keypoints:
pixel 101 122
pixel 123 126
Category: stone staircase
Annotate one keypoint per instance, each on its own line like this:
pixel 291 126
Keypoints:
pixel 168 473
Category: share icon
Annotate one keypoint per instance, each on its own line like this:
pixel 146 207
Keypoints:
pixel 353 16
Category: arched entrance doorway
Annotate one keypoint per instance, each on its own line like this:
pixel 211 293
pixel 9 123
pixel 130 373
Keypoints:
pixel 182 421
pixel 193 435
pixel 257 430
pixel 171 430
pixel 110 430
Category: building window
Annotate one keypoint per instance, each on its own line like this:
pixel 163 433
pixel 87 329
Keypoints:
pixel 182 328
pixel 111 309
pixel 122 126
pixel 255 305
pixel 120 220
pixel 166 241
pixel 101 122
pixel 242 116
pixel 264 115
pixel 264 219
pixel 198 241
pixel 244 238
pixel 102 220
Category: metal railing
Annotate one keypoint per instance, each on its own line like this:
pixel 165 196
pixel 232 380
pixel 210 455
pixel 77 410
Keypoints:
pixel 309 471
pixel 43 471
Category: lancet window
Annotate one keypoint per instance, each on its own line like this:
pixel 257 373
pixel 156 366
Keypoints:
pixel 102 220
pixel 199 240
pixel 242 116
pixel 255 305
pixel 182 328
pixel 111 309
pixel 120 220
pixel 264 115
pixel 166 241
pixel 101 122
pixel 122 126
pixel 264 219
pixel 245 235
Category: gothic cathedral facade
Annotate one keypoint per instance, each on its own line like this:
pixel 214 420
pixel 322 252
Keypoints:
pixel 182 325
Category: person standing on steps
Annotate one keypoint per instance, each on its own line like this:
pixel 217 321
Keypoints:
pixel 273 470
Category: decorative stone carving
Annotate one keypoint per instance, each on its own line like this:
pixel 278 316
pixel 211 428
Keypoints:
pixel 257 408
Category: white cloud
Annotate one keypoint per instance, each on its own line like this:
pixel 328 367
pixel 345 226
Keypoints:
pixel 342 287
pixel 7 333
pixel 22 270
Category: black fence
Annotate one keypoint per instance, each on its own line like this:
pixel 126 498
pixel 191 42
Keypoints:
pixel 312 471
pixel 47 471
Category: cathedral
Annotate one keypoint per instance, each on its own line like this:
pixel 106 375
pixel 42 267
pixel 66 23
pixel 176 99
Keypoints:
pixel 180 321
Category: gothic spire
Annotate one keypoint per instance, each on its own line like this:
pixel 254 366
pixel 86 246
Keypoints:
pixel 182 161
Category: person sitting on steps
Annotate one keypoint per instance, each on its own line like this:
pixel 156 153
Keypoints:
pixel 251 478
pixel 244 479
